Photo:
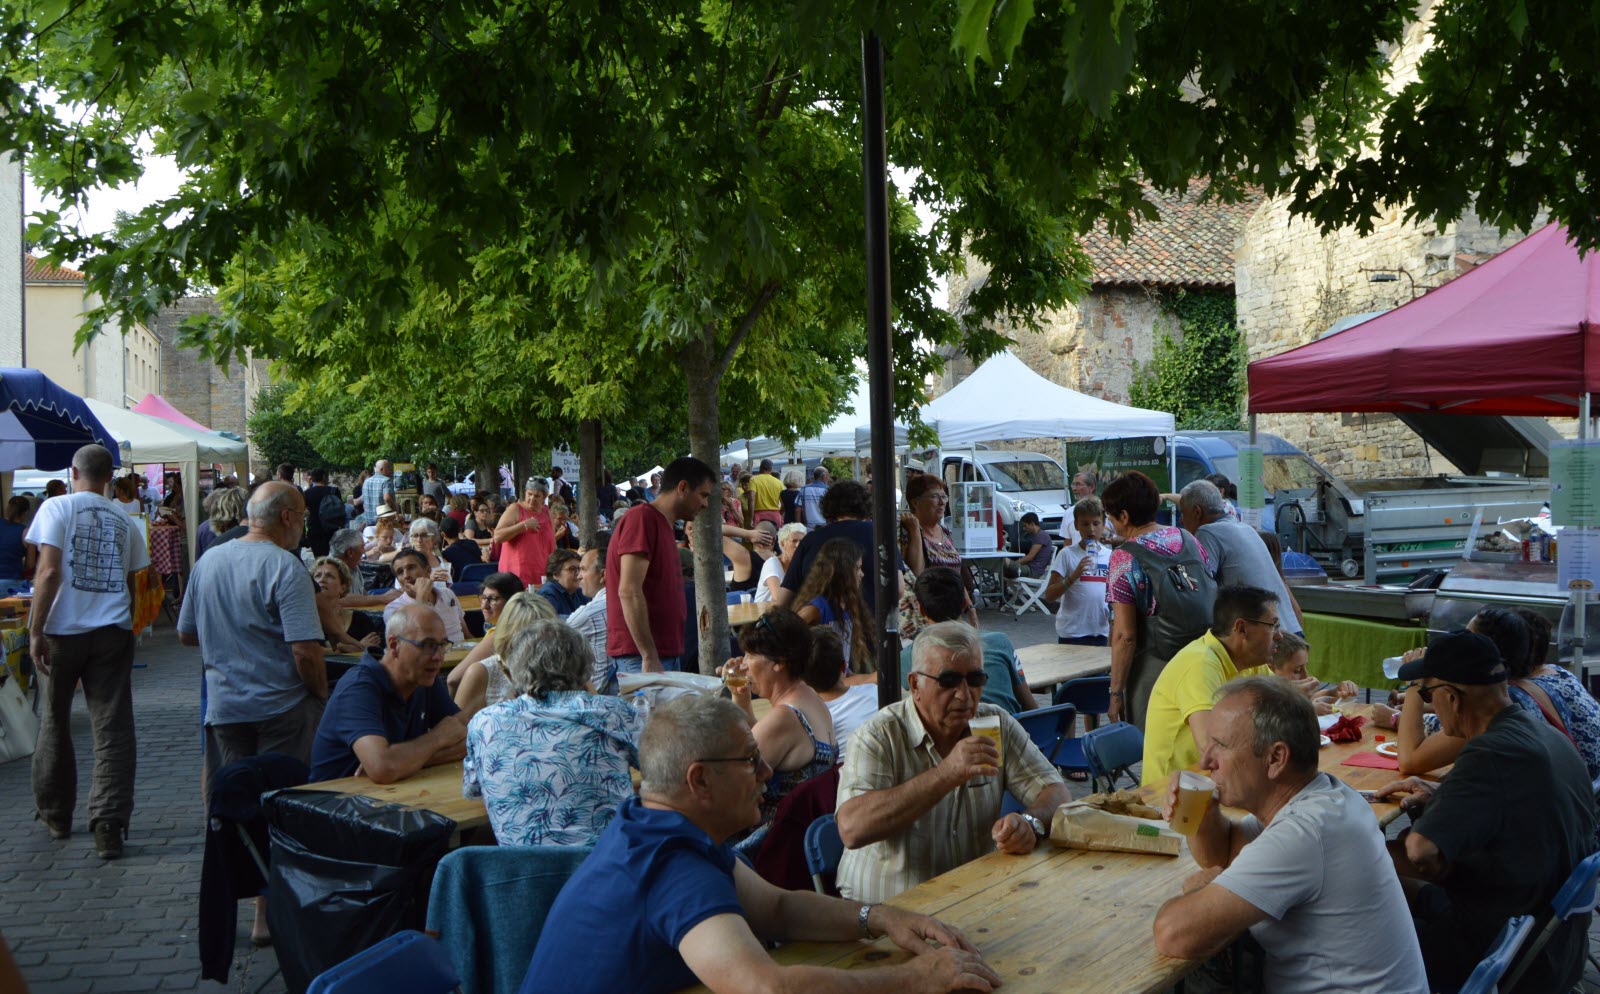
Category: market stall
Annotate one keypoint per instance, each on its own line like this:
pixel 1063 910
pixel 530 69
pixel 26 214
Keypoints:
pixel 42 425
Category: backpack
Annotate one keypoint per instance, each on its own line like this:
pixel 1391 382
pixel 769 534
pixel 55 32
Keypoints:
pixel 1184 594
pixel 330 512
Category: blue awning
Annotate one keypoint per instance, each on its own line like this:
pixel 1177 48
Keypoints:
pixel 42 425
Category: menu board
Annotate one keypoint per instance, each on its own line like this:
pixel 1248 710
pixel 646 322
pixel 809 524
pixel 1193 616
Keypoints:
pixel 1251 492
pixel 1578 565
pixel 1575 483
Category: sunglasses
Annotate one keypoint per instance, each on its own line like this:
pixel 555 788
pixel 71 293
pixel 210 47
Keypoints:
pixel 1426 693
pixel 950 679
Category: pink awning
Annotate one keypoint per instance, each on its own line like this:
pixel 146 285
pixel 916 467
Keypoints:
pixel 158 406
pixel 1511 337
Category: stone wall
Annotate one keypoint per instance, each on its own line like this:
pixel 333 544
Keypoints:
pixel 217 398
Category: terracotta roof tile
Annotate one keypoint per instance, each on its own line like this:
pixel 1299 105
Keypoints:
pixel 1192 244
pixel 38 271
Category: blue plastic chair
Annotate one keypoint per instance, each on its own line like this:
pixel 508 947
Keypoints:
pixel 735 597
pixel 466 588
pixel 824 849
pixel 1578 896
pixel 477 572
pixel 404 963
pixel 1051 730
pixel 1091 695
pixel 1486 978
pixel 1111 752
pixel 488 905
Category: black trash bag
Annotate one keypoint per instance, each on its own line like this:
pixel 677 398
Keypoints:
pixel 347 872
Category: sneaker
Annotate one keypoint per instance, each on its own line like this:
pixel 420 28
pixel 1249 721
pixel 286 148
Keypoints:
pixel 58 829
pixel 108 839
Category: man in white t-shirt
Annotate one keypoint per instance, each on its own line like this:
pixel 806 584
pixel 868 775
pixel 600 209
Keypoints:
pixel 417 586
pixel 81 631
pixel 1303 872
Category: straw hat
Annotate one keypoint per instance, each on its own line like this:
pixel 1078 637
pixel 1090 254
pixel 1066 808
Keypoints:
pixel 385 511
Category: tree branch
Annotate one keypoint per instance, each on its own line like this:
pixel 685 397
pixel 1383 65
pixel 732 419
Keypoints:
pixel 768 291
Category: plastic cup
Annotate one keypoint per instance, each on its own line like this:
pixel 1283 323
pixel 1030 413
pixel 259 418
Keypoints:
pixel 1194 796
pixel 988 726
pixel 1391 668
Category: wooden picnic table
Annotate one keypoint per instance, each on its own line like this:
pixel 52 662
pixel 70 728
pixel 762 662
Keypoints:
pixel 1047 665
pixel 744 614
pixel 470 602
pixel 452 656
pixel 1056 920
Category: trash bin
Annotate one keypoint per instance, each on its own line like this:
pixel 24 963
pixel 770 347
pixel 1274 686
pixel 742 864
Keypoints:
pixel 347 872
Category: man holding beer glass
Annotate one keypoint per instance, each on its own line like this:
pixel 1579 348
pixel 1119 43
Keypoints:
pixel 924 779
pixel 1303 872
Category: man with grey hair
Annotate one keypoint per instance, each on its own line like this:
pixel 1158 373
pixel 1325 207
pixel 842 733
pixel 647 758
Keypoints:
pixel 252 609
pixel 391 715
pixel 81 631
pixel 1237 553
pixel 378 489
pixel 920 794
pixel 678 907
pixel 1301 872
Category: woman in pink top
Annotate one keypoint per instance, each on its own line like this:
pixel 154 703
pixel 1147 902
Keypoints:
pixel 526 536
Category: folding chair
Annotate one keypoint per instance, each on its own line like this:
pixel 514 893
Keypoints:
pixel 1025 592
pixel 1051 729
pixel 466 588
pixel 477 572
pixel 1485 979
pixel 824 849
pixel 1111 752
pixel 404 963
pixel 1091 695
pixel 1578 896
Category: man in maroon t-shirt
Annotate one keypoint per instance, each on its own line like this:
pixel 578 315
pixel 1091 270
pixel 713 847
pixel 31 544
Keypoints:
pixel 644 585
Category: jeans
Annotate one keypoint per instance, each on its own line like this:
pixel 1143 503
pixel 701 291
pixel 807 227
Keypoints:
pixel 102 660
pixel 1083 640
pixel 635 664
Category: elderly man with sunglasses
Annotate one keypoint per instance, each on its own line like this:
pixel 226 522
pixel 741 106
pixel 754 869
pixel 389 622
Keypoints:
pixel 1244 631
pixel 920 794
pixel 1501 834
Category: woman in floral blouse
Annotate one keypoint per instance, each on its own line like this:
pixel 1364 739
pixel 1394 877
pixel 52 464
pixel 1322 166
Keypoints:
pixel 552 763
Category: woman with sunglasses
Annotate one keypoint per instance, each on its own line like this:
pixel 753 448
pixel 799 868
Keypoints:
pixel 831 595
pixel 496 592
pixel 525 534
pixel 796 737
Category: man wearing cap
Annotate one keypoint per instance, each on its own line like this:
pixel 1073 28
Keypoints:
pixel 1501 834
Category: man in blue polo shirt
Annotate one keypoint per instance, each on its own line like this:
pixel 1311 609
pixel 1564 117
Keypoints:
pixel 391 715
pixel 676 907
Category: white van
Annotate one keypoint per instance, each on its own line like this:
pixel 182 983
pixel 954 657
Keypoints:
pixel 1023 482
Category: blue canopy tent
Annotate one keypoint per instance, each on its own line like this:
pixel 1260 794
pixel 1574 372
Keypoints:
pixel 42 425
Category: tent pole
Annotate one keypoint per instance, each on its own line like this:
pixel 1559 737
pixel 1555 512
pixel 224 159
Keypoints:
pixel 1580 596
pixel 1252 429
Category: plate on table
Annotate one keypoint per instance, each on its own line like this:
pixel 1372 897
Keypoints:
pixel 1390 749
pixel 1327 741
pixel 1327 721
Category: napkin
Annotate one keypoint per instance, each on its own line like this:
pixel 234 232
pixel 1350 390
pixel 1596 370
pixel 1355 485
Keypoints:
pixel 1372 760
pixel 1346 729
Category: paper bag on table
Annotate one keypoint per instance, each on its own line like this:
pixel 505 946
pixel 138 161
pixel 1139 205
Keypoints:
pixel 1080 826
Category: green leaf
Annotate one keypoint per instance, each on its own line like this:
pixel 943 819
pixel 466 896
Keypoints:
pixel 971 39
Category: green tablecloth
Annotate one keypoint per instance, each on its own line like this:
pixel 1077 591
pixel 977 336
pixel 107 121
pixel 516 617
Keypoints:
pixel 1354 648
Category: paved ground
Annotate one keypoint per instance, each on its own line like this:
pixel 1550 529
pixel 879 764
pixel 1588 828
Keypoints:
pixel 79 925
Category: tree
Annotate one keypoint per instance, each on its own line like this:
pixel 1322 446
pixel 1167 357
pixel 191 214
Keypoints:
pixel 625 203
pixel 1198 376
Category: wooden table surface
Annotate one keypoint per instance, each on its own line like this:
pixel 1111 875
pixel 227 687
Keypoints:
pixel 744 614
pixel 1047 665
pixel 1056 920
pixel 470 602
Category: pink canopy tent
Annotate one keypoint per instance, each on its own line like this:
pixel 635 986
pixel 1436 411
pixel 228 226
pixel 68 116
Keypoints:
pixel 1515 336
pixel 158 406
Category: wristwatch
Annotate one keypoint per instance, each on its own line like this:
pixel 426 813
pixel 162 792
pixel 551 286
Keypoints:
pixel 1039 831
pixel 861 919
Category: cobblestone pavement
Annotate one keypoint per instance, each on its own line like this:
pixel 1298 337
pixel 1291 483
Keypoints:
pixel 78 925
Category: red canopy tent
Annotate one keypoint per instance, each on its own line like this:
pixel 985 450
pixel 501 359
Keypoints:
pixel 1515 336
pixel 158 406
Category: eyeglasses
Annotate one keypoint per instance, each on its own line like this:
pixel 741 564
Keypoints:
pixel 1265 624
pixel 1426 693
pixel 950 679
pixel 429 647
pixel 940 498
pixel 753 761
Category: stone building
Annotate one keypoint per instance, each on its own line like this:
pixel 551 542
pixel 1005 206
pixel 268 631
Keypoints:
pixel 221 399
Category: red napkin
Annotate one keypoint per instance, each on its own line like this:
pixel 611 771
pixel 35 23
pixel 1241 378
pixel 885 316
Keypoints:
pixel 1372 760
pixel 1346 729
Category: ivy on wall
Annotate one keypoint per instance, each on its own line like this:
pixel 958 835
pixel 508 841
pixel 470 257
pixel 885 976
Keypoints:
pixel 1198 376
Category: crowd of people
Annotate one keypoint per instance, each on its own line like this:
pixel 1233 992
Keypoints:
pixel 1207 657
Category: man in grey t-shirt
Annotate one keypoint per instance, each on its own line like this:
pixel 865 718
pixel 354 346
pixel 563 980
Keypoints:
pixel 1236 551
pixel 251 608
pixel 1303 872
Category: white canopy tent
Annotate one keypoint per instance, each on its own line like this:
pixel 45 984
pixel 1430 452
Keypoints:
pixel 145 439
pixel 837 439
pixel 1004 399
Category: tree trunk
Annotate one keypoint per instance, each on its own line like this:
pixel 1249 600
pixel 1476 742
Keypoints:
pixel 486 474
pixel 522 468
pixel 702 376
pixel 588 482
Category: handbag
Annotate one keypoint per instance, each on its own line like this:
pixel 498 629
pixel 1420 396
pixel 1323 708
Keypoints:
pixel 19 726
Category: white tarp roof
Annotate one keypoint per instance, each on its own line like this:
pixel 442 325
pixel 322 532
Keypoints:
pixel 1004 399
pixel 838 438
pixel 142 438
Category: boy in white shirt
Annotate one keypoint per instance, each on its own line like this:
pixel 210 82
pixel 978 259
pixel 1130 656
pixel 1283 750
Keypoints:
pixel 1078 578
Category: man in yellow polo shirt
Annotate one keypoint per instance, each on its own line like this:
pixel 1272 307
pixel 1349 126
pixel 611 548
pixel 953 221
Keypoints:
pixel 1244 630
pixel 765 496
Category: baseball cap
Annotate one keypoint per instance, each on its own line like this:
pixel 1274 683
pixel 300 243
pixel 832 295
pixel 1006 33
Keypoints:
pixel 1460 657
